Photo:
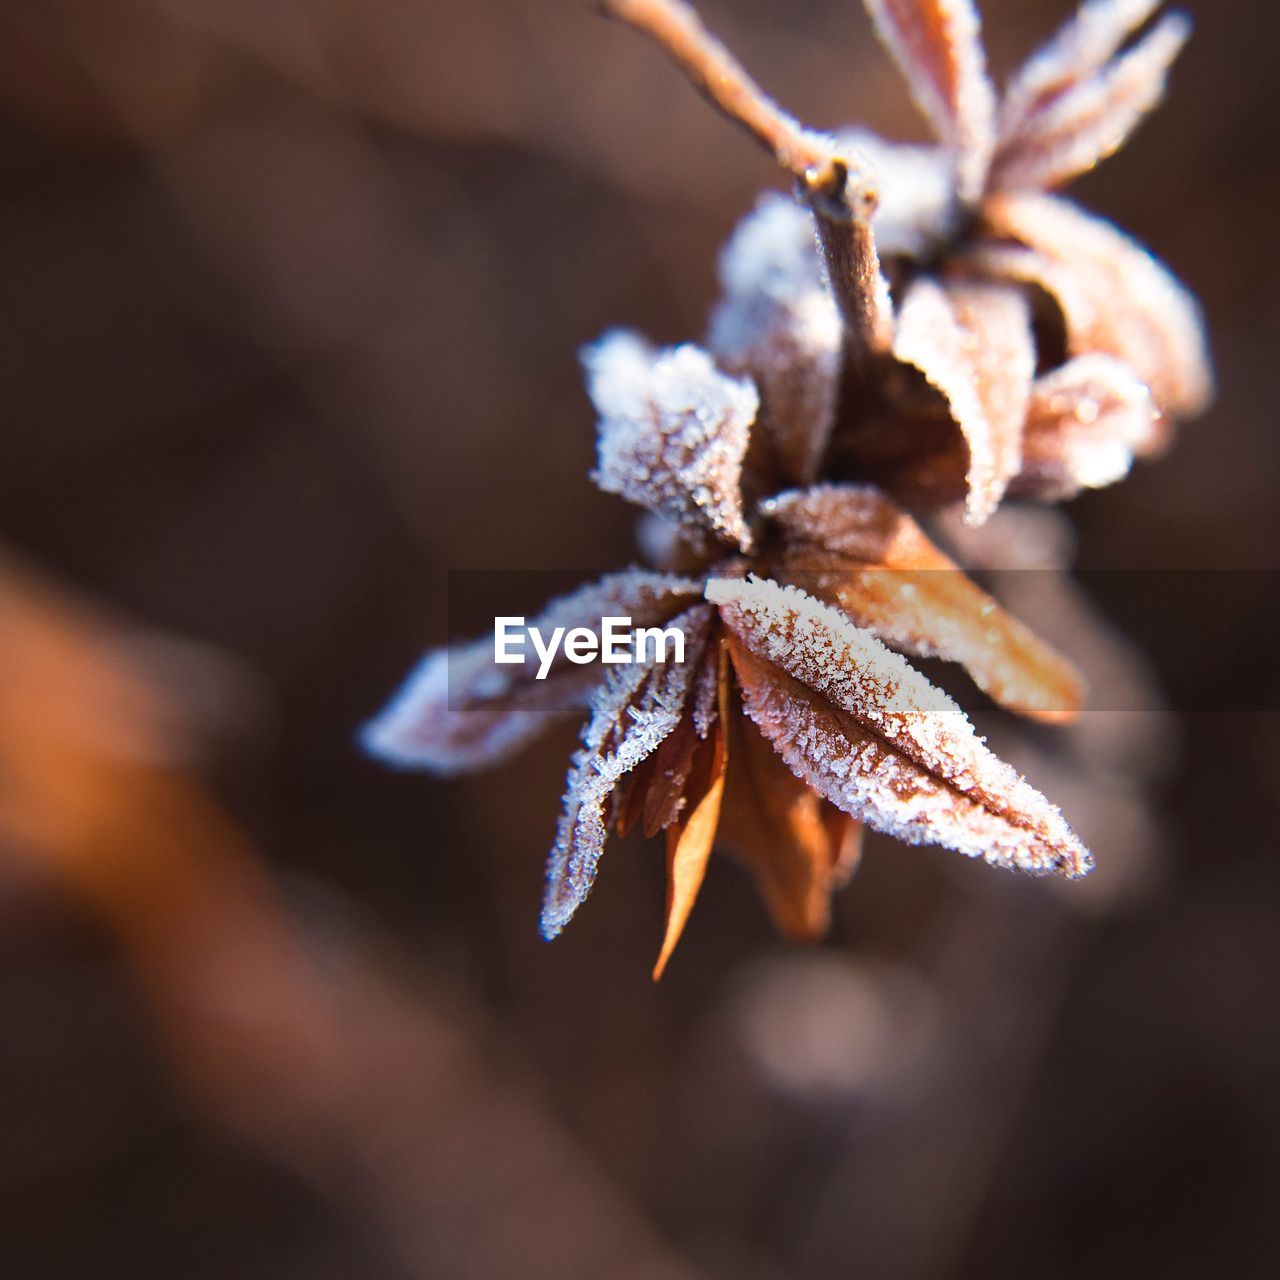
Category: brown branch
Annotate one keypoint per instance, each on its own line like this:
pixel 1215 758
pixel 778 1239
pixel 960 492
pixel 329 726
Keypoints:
pixel 842 201
pixel 717 74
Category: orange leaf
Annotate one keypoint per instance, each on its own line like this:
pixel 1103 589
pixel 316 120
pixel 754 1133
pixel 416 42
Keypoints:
pixel 692 833
pixel 871 734
pixel 851 547
pixel 785 834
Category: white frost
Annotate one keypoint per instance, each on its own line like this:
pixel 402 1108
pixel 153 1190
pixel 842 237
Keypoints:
pixel 673 432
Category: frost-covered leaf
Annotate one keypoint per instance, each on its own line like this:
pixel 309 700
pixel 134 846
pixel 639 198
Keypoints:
pixel 974 344
pixel 708 691
pixel 785 834
pixel 673 432
pixel 1080 48
pixel 459 710
pixel 1075 129
pixel 1115 297
pixel 418 729
pixel 1087 422
pixel 779 324
pixel 864 729
pixel 854 521
pixel 938 45
pixel 632 713
pixel 656 794
pixel 851 547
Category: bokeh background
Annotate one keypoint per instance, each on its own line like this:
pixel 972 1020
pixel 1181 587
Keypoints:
pixel 292 292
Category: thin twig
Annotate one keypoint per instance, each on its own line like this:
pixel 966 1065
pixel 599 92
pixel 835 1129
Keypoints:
pixel 842 200
pixel 717 74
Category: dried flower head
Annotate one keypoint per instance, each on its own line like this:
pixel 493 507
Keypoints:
pixel 881 346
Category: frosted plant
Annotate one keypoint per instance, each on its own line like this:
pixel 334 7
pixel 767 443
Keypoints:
pixel 921 327
pixel 935 260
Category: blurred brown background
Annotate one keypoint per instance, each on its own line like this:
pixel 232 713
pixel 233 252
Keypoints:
pixel 292 296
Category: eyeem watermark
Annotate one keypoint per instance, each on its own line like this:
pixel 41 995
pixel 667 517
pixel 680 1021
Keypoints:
pixel 616 642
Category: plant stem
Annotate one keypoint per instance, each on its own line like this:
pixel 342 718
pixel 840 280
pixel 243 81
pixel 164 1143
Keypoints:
pixel 842 201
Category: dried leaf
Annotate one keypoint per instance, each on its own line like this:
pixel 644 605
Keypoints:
pixel 632 712
pixel 938 45
pixel 459 710
pixel 689 843
pixel 708 693
pixel 693 832
pixel 781 831
pixel 850 547
pixel 1090 121
pixel 855 521
pixel 673 432
pixel 1087 422
pixel 844 837
pixel 658 787
pixel 672 765
pixel 418 729
pixel 1114 296
pixel 872 735
pixel 779 325
pixel 1081 48
pixel 974 344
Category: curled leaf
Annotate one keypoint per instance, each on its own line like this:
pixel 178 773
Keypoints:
pixel 673 432
pixel 1114 296
pixel 864 729
pixel 459 710
pixel 938 45
pixel 1075 129
pixel 974 344
pixel 1087 422
pixel 851 547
